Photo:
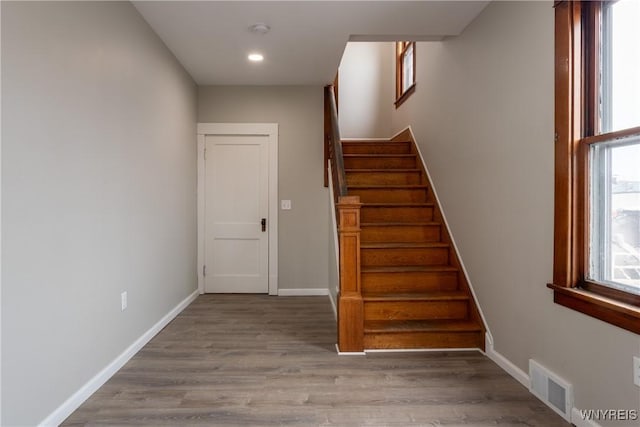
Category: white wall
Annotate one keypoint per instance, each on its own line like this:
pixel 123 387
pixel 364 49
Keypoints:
pixel 98 194
pixel 366 90
pixel 334 251
pixel 483 115
pixel 302 235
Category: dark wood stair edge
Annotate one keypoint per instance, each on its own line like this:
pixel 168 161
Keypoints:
pixel 403 245
pixel 401 224
pixel 371 156
pixel 398 205
pixel 388 186
pixel 410 269
pixel 416 296
pixel 392 326
pixel 384 141
pixel 378 170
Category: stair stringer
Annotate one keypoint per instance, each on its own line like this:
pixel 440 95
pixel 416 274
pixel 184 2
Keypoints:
pixel 469 285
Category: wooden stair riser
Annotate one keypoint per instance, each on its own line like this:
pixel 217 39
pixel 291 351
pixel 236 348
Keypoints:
pixel 400 233
pixel 390 195
pixel 416 310
pixel 404 256
pixel 409 281
pixel 424 340
pixel 379 162
pixel 390 177
pixel 357 147
pixel 370 214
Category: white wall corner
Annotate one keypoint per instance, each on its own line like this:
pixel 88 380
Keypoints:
pixel 488 339
pixel 273 284
pixel 0 231
pixel 200 212
pixel 80 396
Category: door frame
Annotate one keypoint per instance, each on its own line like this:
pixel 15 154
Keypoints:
pixel 269 130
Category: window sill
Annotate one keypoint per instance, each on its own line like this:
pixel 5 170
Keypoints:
pixel 405 95
pixel 622 314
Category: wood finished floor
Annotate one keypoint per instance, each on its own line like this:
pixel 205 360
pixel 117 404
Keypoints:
pixel 261 361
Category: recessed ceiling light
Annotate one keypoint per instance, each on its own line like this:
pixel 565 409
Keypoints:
pixel 255 57
pixel 259 28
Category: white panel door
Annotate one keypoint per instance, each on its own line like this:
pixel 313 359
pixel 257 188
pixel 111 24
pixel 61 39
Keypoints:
pixel 236 202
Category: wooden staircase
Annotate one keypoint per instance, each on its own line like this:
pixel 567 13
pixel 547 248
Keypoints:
pixel 414 293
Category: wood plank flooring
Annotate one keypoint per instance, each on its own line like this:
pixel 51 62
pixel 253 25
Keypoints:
pixel 255 360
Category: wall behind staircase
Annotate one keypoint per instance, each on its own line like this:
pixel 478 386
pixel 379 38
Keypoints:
pixel 366 89
pixel 483 115
pixel 303 230
pixel 98 194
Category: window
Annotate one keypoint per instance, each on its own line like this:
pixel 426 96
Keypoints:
pixel 597 184
pixel 405 70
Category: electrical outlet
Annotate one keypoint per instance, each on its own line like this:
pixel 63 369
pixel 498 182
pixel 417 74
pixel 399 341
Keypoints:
pixel 636 370
pixel 285 205
pixel 123 300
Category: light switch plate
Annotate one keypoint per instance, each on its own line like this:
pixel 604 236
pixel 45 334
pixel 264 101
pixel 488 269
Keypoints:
pixel 636 370
pixel 285 205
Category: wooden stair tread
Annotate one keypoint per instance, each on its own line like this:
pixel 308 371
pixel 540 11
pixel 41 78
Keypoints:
pixel 408 268
pixel 398 224
pixel 398 204
pixel 404 245
pixel 421 296
pixel 373 141
pixel 378 155
pixel 387 186
pixel 383 170
pixel 393 326
pixel 376 147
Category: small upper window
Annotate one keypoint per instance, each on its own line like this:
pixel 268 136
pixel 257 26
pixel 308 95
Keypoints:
pixel 405 70
pixel 620 65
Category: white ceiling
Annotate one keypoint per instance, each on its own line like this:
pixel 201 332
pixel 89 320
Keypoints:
pixel 211 38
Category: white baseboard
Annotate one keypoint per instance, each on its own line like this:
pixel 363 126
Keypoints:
pixel 523 378
pixel 578 421
pixel 508 366
pixel 78 398
pixel 349 353
pixel 303 292
pixel 419 350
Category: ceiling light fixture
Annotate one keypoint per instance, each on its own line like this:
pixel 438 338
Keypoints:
pixel 259 28
pixel 255 57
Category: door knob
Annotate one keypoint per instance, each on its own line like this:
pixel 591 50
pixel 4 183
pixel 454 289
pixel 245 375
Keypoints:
pixel 264 224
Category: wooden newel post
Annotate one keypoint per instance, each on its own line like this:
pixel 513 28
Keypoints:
pixel 350 306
